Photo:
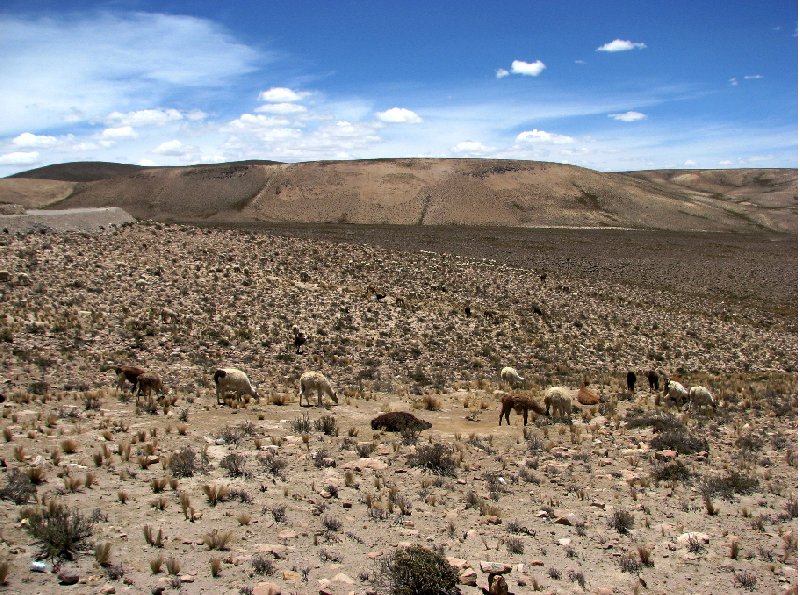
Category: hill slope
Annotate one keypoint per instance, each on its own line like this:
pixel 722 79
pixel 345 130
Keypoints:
pixel 452 191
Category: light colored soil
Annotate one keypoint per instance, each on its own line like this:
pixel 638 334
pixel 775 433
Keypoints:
pixel 76 305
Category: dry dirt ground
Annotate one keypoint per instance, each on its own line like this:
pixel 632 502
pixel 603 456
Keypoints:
pixel 627 496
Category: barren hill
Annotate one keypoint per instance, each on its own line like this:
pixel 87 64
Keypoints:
pixel 451 191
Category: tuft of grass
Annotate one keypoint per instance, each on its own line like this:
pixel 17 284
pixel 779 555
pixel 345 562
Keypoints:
pixel 216 566
pixel 217 540
pixel 102 553
pixel 173 566
pixel 69 446
pixel 215 493
pixel 327 425
pixel 157 564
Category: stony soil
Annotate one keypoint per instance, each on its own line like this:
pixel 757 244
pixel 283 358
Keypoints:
pixel 319 512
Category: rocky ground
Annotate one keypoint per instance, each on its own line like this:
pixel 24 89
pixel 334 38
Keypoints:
pixel 624 498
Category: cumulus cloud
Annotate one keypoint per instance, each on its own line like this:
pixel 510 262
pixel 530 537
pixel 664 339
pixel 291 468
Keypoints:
pixel 471 147
pixel 399 115
pixel 541 136
pixel 119 132
pixel 170 147
pixel 628 117
pixel 281 94
pixel 253 122
pixel 501 73
pixel 20 158
pixel 282 108
pixel 26 139
pixel 145 117
pixel 621 45
pixel 527 68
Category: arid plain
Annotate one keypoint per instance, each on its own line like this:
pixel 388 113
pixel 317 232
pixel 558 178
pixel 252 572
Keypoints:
pixel 629 495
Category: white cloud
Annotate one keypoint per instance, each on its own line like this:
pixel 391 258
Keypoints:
pixel 628 117
pixel 26 139
pixel 690 163
pixel 170 147
pixel 502 73
pixel 399 115
pixel 256 122
pixel 471 148
pixel 281 108
pixel 119 132
pixel 20 158
pixel 621 45
pixel 580 62
pixel 540 136
pixel 753 77
pixel 733 81
pixel 726 162
pixel 196 115
pixel 145 117
pixel 281 94
pixel 527 68
pixel 81 67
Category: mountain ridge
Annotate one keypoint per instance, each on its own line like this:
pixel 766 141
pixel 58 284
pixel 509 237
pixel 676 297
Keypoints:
pixel 430 192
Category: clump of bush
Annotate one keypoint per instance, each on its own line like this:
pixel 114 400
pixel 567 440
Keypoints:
pixel 327 425
pixel 660 421
pixel 416 570
pixel 671 471
pixel 725 486
pixel 185 463
pixel 59 530
pixel 681 441
pixel 434 458
pixel 19 489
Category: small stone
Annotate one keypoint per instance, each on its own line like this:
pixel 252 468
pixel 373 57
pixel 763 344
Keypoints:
pixel 65 577
pixel 187 578
pixel 343 578
pixel 266 588
pixel 666 455
pixel 565 541
pixel 537 563
pixel 108 590
pixel 290 576
pixel 468 578
pixel 373 555
pixel 494 567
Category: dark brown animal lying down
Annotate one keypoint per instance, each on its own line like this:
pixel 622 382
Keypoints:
pixel 521 404
pixel 397 421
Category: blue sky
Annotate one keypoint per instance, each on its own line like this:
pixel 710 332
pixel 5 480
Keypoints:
pixel 612 86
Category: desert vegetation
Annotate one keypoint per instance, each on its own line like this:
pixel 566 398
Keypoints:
pixel 627 492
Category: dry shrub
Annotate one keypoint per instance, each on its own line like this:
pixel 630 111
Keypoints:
pixel 59 530
pixel 415 569
pixel 19 488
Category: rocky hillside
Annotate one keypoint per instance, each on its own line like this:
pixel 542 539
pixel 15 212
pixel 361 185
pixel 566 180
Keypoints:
pixel 446 191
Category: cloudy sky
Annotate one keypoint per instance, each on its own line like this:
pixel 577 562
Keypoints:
pixel 612 85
